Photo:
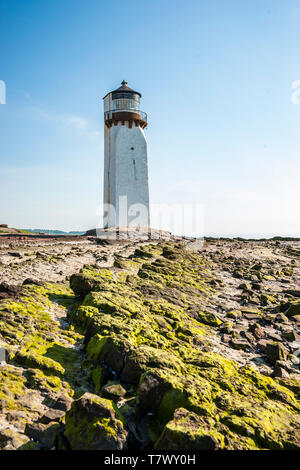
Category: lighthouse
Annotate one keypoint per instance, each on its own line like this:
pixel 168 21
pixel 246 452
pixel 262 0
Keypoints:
pixel 126 189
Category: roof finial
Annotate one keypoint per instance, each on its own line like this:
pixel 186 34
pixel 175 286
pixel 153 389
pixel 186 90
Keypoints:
pixel 124 83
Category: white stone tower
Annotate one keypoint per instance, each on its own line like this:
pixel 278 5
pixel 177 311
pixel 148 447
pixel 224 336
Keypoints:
pixel 126 190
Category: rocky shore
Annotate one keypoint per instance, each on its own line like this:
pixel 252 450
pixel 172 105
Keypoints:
pixel 149 345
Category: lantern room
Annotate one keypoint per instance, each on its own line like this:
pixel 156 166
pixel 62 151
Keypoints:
pixel 123 105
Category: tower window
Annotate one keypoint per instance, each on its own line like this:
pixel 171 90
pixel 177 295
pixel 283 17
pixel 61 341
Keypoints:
pixel 125 104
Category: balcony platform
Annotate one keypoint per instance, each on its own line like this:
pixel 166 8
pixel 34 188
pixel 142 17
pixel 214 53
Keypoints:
pixel 113 117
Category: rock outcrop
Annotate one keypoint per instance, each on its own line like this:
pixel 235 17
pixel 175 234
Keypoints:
pixel 92 424
pixel 154 346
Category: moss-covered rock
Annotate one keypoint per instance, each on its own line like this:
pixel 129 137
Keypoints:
pixel 293 310
pixel 188 431
pixel 147 328
pixel 44 367
pixel 209 319
pixel 45 434
pixel 147 333
pixel 13 440
pixel 234 314
pixel 36 361
pixel 113 390
pixel 267 299
pixel 92 424
pixel 275 352
pixel 81 285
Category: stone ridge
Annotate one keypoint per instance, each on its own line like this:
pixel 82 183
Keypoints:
pixel 164 349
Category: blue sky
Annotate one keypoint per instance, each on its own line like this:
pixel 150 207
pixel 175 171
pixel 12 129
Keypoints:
pixel 216 78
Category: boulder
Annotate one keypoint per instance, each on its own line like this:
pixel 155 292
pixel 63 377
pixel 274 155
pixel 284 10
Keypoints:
pixel 262 345
pixel 257 331
pixel 188 431
pixel 132 371
pixel 248 336
pixel 275 352
pixel 113 390
pixel 281 372
pixel 267 299
pixel 227 327
pixel 293 310
pixel 239 344
pixel 294 292
pixel 234 314
pixel 62 403
pixel 14 254
pixel 246 286
pixel 281 318
pixel 226 338
pixel 107 350
pixel 250 311
pixel 7 290
pixel 45 434
pixel 29 281
pixel 10 439
pixel 295 346
pixel 237 274
pixel 251 316
pixel 210 319
pixel 152 388
pixel 257 285
pixel 290 335
pixel 93 424
pixel 272 334
pixel 81 285
pixel 52 415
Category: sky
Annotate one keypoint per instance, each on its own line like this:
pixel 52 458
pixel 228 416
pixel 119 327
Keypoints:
pixel 216 79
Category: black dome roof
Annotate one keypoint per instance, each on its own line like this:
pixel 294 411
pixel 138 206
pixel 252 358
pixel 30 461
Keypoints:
pixel 124 89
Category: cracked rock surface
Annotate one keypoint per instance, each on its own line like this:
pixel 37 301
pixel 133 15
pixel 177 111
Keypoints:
pixel 149 345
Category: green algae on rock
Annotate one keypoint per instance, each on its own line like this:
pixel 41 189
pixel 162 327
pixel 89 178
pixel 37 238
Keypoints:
pixel 293 310
pixel 44 366
pixel 189 431
pixel 147 329
pixel 92 424
pixel 132 356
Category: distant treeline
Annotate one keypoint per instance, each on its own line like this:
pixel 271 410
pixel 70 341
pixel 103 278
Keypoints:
pixel 53 232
